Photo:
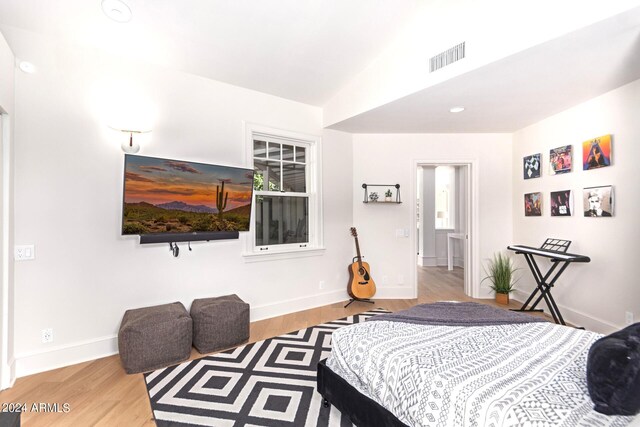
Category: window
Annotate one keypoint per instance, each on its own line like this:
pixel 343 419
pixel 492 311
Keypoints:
pixel 445 197
pixel 286 206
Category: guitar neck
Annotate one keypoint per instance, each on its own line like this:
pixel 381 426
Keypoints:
pixel 358 253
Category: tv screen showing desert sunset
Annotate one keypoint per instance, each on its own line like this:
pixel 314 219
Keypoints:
pixel 174 196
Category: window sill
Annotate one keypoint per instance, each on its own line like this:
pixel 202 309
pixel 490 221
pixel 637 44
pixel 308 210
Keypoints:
pixel 278 255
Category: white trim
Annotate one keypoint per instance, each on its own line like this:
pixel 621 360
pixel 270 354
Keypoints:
pixel 572 316
pixel 393 292
pixel 315 246
pixel 472 263
pixel 428 261
pixel 297 304
pixel 278 255
pixel 7 367
pixel 64 355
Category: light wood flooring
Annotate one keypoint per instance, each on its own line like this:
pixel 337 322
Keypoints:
pixel 100 393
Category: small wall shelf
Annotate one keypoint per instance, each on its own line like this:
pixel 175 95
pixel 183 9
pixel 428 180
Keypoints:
pixel 374 198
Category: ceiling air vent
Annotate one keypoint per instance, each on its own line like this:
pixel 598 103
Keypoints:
pixel 447 57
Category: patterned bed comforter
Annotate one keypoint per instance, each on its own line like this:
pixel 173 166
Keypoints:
pixel 505 375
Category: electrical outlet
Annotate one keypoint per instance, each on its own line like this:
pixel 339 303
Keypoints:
pixel 321 284
pixel 400 280
pixel 47 335
pixel 628 318
pixel 24 252
pixel 385 280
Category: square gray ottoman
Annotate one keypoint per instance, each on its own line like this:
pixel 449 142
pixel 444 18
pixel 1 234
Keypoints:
pixel 219 323
pixel 154 337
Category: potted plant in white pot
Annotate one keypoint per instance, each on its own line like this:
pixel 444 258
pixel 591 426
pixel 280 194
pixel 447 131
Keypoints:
pixel 387 196
pixel 500 273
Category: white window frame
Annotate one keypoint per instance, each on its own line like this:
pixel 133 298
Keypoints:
pixel 313 170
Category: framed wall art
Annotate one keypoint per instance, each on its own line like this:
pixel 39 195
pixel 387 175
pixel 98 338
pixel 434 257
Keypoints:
pixel 533 204
pixel 596 153
pixel 560 160
pixel 561 203
pixel 531 166
pixel 598 201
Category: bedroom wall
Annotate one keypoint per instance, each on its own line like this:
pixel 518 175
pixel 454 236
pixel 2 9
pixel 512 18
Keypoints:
pixel 69 194
pixel 7 85
pixel 595 295
pixel 391 158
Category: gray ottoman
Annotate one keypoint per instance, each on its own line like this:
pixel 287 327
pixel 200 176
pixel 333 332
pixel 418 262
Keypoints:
pixel 220 322
pixel 154 337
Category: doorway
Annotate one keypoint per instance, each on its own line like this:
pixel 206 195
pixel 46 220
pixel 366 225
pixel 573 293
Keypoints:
pixel 444 255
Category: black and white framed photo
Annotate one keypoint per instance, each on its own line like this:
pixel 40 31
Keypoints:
pixel 598 201
pixel 561 203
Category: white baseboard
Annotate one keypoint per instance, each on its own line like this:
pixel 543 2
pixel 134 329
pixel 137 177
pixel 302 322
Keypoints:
pixel 305 303
pixel 427 261
pixel 297 304
pixel 573 316
pixel 9 374
pixel 395 292
pixel 65 355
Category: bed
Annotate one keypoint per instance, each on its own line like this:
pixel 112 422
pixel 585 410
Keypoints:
pixel 395 373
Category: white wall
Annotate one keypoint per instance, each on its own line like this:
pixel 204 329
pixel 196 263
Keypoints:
pixel 68 202
pixel 595 295
pixel 7 70
pixel 391 158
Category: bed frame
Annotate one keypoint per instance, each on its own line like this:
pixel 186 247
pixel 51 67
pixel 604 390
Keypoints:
pixel 361 410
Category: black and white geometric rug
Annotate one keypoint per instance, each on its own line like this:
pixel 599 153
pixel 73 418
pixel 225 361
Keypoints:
pixel 267 383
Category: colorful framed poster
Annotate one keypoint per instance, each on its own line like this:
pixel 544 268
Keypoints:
pixel 596 153
pixel 531 166
pixel 598 201
pixel 561 203
pixel 533 204
pixel 560 160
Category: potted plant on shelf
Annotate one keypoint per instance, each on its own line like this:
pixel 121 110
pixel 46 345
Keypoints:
pixel 500 272
pixel 387 196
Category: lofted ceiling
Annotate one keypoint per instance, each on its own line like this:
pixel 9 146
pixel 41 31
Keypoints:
pixel 307 50
pixel 521 89
pixel 303 50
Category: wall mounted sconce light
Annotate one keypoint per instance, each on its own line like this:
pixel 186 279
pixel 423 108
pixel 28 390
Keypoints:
pixel 130 146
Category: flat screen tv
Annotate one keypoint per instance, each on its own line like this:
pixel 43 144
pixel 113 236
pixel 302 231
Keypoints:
pixel 174 200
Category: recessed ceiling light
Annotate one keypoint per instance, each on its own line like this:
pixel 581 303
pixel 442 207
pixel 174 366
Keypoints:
pixel 27 67
pixel 456 109
pixel 116 10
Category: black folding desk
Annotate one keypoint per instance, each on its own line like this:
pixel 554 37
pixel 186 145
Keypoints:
pixel 554 249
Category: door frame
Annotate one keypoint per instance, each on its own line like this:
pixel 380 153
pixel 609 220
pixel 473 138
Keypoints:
pixel 471 247
pixel 7 373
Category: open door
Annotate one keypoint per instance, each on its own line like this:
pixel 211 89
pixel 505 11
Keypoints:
pixel 444 228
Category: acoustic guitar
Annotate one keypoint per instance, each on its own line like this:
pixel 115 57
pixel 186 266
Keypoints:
pixel 361 285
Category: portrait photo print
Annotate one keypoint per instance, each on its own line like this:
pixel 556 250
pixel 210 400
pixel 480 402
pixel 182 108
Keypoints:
pixel 531 166
pixel 561 203
pixel 598 201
